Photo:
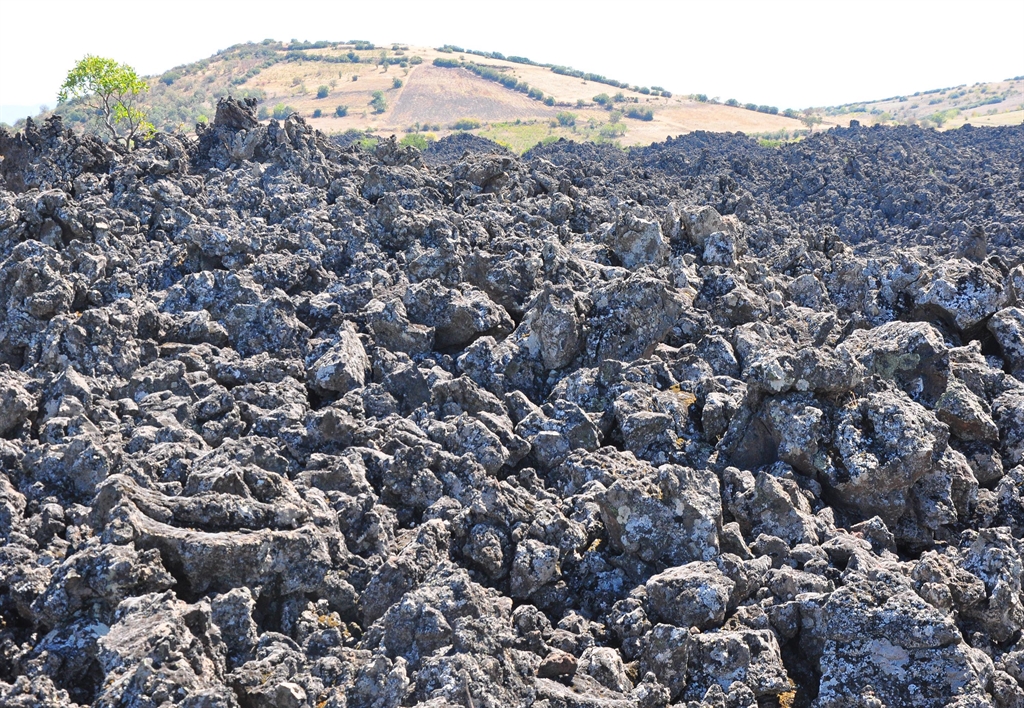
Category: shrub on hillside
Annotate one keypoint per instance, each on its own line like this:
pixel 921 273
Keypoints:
pixel 378 102
pixel 613 130
pixel 466 124
pixel 281 111
pixel 396 83
pixel 640 114
pixel 414 60
pixel 566 119
pixel 420 141
pixel 602 99
pixel 732 102
pixel 341 111
pixel 322 91
pixel 549 101
pixel 317 113
pixel 750 106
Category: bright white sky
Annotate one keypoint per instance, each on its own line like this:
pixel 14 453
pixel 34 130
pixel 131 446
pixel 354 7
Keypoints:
pixel 787 53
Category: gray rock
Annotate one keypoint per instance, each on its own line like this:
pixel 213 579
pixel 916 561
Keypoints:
pixel 343 367
pixel 692 595
pixel 1007 326
pixel 672 517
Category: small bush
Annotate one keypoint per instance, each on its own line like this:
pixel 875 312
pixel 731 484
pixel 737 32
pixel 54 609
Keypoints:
pixel 378 102
pixel 699 97
pixel 415 60
pixel 355 77
pixel 322 92
pixel 645 91
pixel 640 114
pixel 341 111
pixel 466 124
pixel 666 94
pixel 566 119
pixel 536 94
pixel 549 101
pixel 420 141
pixel 613 130
pixel 602 99
pixel 282 111
pixel 580 103
pixel 170 77
pixel 732 102
pixel 396 83
pixel 317 113
pixel 619 97
pixel 263 113
pixel 750 106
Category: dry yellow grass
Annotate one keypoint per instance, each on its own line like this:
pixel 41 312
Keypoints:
pixel 439 96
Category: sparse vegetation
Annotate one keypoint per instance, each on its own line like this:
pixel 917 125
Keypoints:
pixel 396 83
pixel 420 141
pixel 378 103
pixel 566 119
pixel 644 114
pixel 466 124
pixel 281 111
pixel 317 113
pixel 323 91
pixel 341 111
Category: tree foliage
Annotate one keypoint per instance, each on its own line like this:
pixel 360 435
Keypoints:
pixel 113 90
pixel 378 102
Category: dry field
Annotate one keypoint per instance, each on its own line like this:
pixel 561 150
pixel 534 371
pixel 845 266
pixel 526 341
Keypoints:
pixel 438 97
pixel 431 99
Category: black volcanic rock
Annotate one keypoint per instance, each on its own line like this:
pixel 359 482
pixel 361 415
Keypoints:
pixel 286 423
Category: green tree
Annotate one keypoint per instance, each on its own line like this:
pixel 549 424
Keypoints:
pixel 323 91
pixel 112 90
pixel 379 103
pixel 396 83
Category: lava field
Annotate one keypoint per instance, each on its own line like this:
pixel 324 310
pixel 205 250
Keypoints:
pixel 289 423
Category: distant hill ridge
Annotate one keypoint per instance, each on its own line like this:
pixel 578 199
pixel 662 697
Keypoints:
pixel 424 93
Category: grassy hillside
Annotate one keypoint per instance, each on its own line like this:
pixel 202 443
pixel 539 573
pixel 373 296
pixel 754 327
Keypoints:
pixel 992 103
pixel 424 93
pixel 397 89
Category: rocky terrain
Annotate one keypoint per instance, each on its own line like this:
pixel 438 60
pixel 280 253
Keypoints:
pixel 286 423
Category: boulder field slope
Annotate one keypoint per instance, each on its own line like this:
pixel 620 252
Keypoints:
pixel 287 423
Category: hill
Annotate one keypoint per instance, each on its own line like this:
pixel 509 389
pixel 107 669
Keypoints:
pixel 419 95
pixel 427 93
pixel 993 103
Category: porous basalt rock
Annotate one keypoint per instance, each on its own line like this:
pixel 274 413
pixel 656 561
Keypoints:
pixel 285 421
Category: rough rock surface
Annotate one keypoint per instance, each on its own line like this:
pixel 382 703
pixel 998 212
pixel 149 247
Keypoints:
pixel 286 423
